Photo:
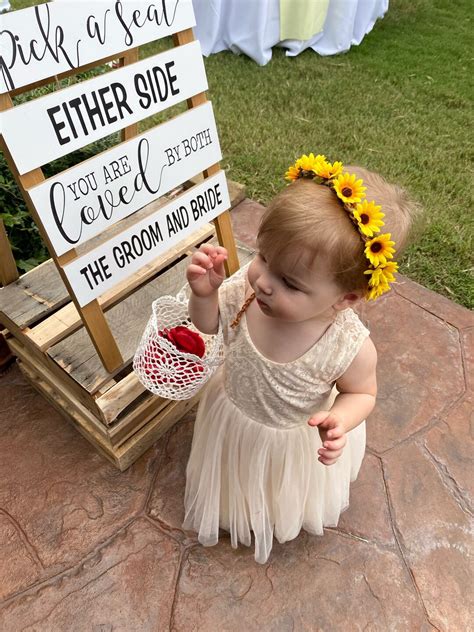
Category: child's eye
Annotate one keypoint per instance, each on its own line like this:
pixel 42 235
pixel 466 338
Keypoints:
pixel 262 257
pixel 289 284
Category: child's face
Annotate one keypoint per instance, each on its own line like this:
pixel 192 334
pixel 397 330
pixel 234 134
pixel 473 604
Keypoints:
pixel 293 291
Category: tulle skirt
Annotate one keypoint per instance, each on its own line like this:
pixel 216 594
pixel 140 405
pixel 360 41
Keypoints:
pixel 244 476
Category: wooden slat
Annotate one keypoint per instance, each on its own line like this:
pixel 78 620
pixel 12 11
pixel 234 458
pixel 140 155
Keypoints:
pixel 81 423
pixel 35 295
pixel 128 452
pixel 112 437
pixel 139 416
pixel 122 429
pixel 49 378
pixel 101 336
pixel 119 396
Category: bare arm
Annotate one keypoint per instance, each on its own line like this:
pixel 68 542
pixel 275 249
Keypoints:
pixel 356 399
pixel 205 274
pixel 357 388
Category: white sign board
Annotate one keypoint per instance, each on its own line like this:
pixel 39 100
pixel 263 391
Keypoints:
pixel 49 127
pixel 89 198
pixel 48 39
pixel 105 266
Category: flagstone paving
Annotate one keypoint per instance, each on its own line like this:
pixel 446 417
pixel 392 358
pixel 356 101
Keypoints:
pixel 85 547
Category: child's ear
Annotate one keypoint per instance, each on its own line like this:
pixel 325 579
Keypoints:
pixel 348 300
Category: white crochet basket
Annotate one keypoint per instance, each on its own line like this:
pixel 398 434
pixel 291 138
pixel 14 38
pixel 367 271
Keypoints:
pixel 160 366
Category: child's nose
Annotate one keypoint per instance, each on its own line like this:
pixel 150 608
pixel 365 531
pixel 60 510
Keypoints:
pixel 263 284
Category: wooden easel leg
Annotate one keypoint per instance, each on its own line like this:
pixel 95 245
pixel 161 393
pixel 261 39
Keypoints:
pixel 8 270
pixel 101 336
pixel 226 238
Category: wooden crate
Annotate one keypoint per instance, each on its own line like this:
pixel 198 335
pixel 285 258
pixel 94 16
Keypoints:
pixel 112 411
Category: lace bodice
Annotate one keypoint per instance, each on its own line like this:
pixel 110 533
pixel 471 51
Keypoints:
pixel 283 395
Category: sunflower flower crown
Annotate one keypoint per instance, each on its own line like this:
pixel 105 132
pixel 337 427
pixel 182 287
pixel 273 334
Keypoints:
pixel 365 216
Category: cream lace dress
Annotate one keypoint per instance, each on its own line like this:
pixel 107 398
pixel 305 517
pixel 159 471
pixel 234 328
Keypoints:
pixel 254 464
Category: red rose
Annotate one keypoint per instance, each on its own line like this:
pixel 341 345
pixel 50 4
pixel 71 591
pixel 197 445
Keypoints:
pixel 159 363
pixel 185 340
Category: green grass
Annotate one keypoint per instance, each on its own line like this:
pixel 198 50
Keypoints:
pixel 399 104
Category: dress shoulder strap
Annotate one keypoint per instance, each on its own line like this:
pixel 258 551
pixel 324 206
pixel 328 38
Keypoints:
pixel 343 344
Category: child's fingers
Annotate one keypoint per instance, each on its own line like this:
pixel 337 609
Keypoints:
pixel 219 263
pixel 326 460
pixel 337 444
pixel 212 251
pixel 327 422
pixel 202 259
pixel 330 454
pixel 220 250
pixel 207 251
pixel 335 433
pixel 194 271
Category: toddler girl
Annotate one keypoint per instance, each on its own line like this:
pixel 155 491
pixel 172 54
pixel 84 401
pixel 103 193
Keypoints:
pixel 275 443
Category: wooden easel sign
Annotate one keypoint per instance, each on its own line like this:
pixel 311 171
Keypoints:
pixel 85 201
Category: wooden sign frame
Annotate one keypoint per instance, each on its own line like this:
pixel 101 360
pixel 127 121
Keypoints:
pixel 92 314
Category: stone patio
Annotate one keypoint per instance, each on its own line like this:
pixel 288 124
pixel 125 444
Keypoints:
pixel 86 548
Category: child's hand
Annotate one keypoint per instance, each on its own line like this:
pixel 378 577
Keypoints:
pixel 206 271
pixel 332 436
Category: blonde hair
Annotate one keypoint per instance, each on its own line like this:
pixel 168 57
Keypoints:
pixel 308 217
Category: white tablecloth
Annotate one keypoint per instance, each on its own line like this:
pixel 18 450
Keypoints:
pixel 252 27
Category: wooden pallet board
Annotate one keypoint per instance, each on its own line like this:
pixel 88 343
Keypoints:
pixel 34 296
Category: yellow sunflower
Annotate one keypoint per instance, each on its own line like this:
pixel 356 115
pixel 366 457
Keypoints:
pixel 311 162
pixel 378 290
pixel 327 170
pixel 382 274
pixel 388 270
pixel 376 277
pixel 305 166
pixel 369 217
pixel 348 188
pixel 293 173
pixel 379 249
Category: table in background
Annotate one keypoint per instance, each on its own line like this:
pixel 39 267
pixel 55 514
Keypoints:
pixel 253 27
